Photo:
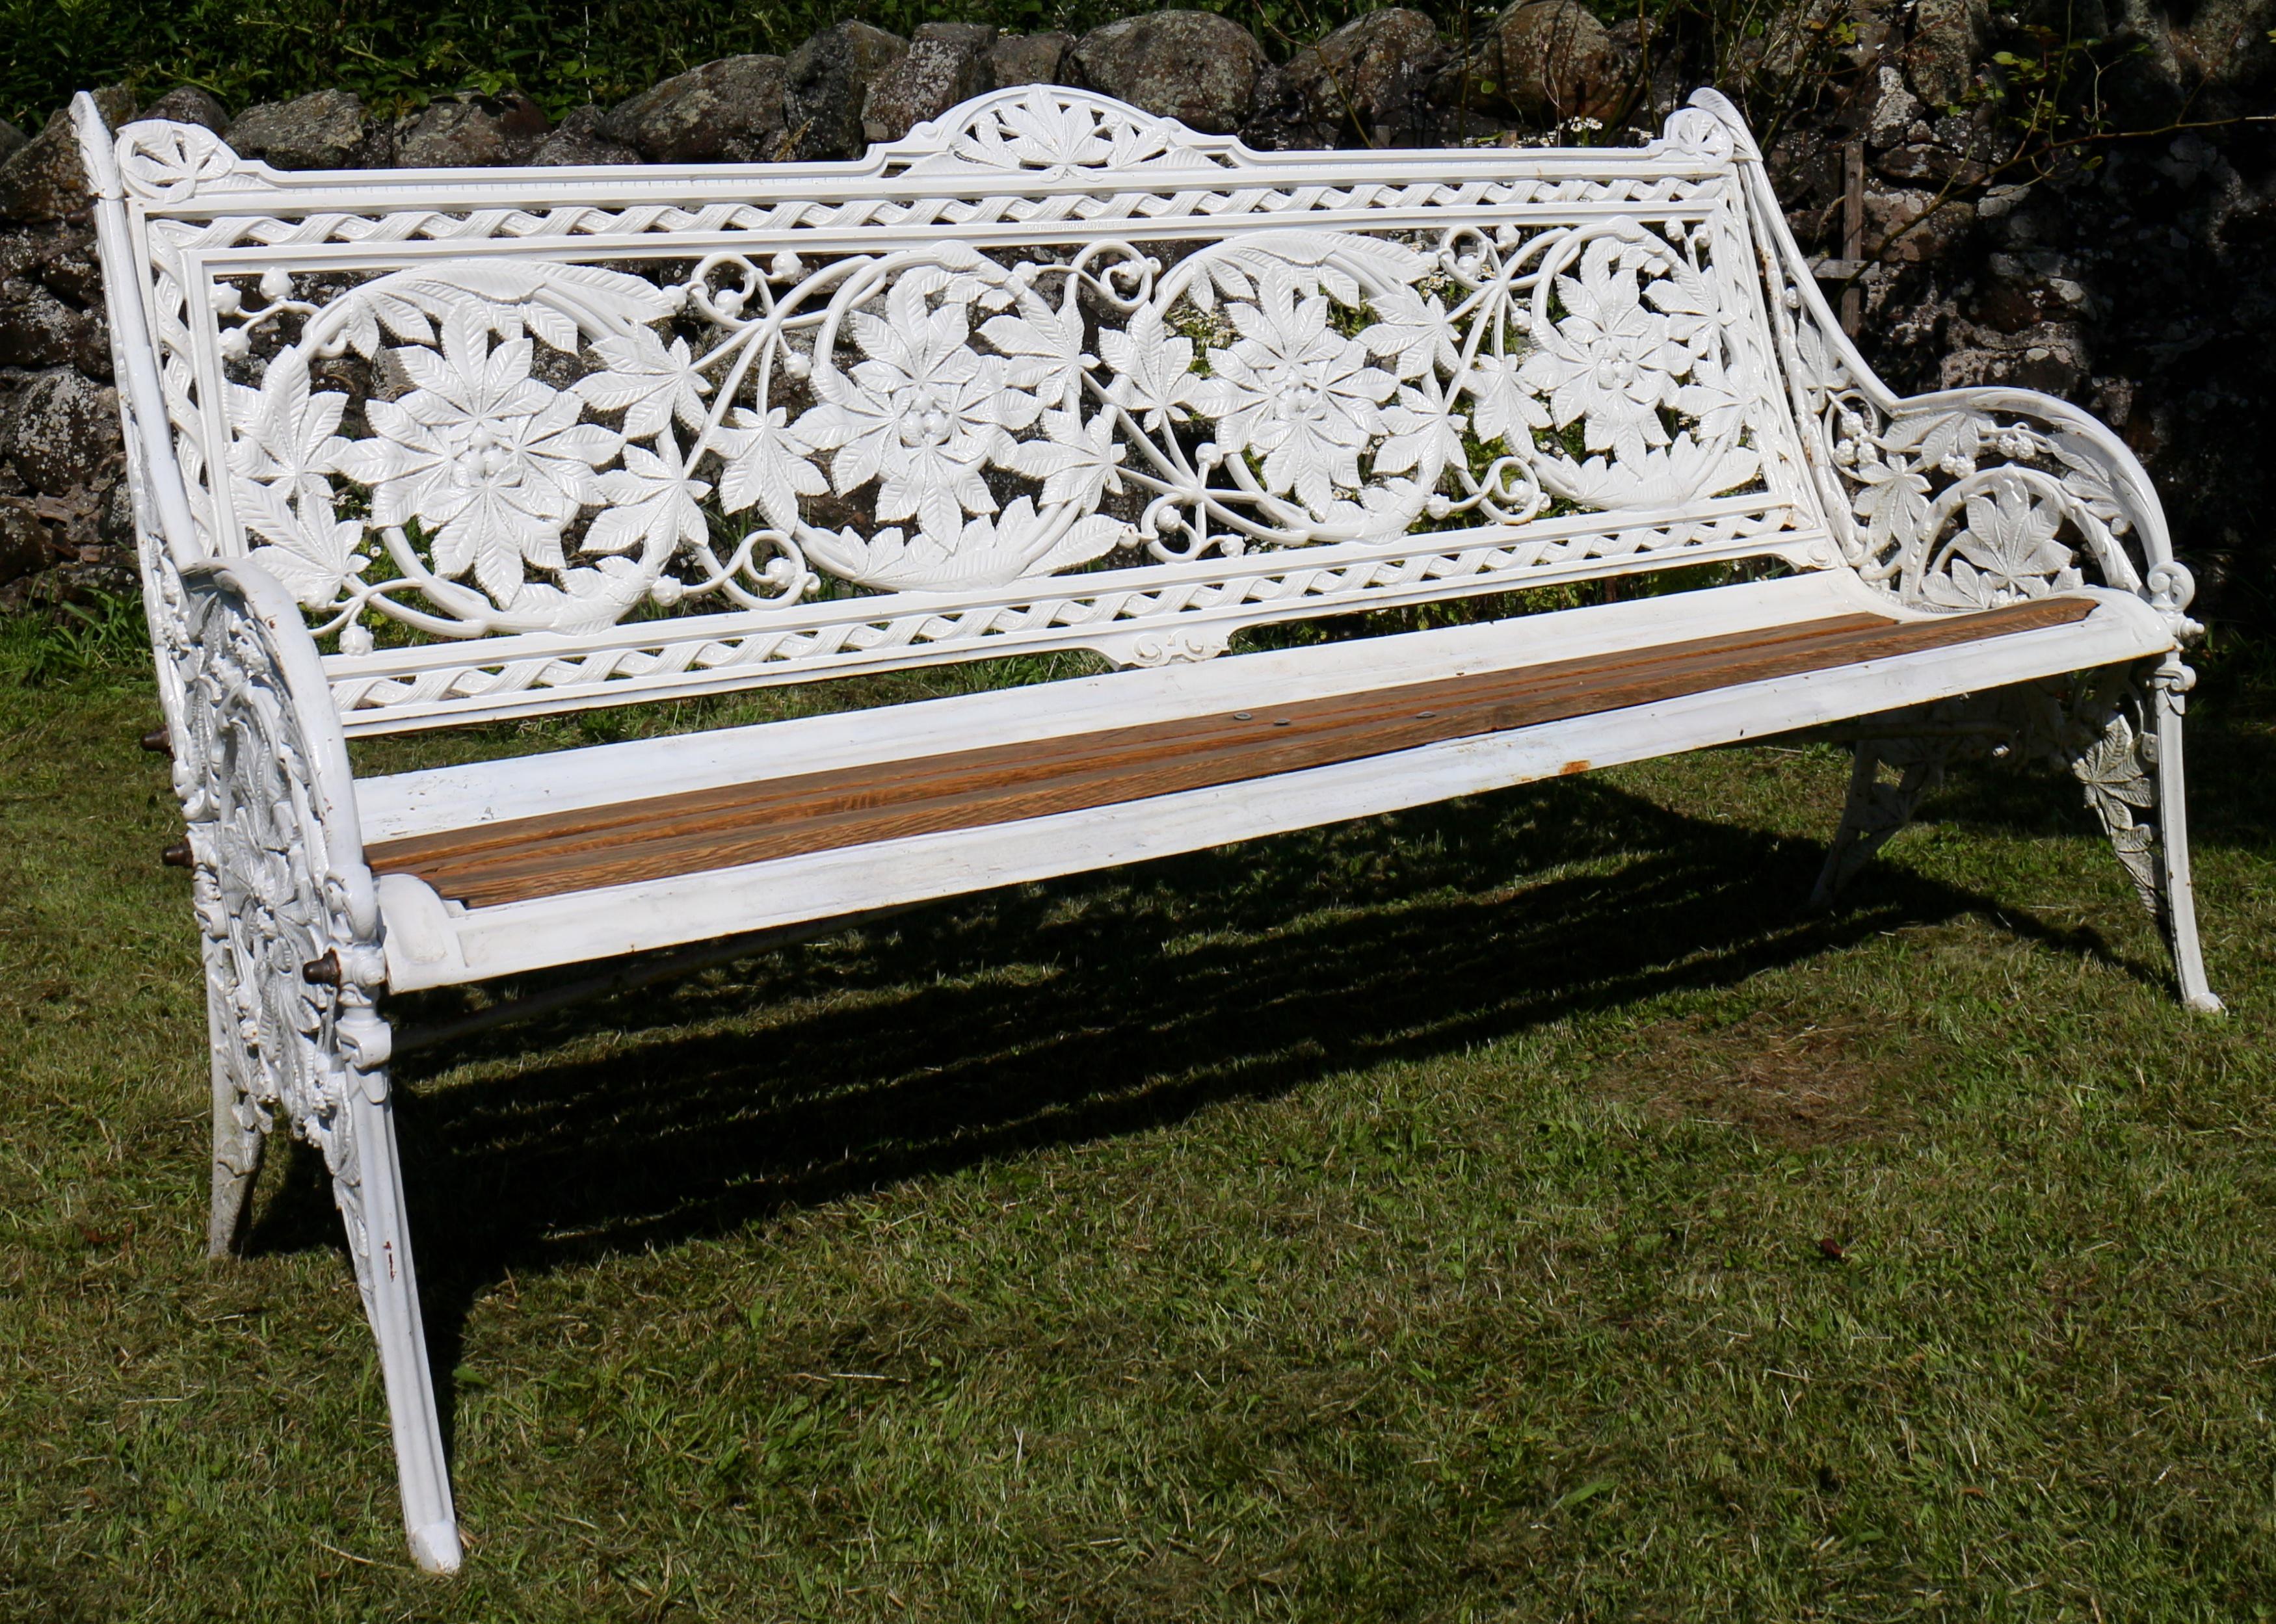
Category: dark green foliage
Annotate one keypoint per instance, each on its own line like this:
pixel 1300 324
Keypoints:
pixel 563 52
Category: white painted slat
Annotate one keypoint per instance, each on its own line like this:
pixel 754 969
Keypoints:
pixel 520 787
pixel 531 935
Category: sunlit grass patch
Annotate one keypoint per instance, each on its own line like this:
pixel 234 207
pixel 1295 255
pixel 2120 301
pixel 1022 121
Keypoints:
pixel 1522 1208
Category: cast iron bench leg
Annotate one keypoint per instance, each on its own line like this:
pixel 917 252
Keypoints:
pixel 2118 732
pixel 370 1196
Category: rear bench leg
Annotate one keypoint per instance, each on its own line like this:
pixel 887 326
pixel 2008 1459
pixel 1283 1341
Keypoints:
pixel 2118 733
pixel 1878 806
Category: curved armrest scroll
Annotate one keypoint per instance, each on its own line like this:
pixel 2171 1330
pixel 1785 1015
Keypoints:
pixel 1961 498
pixel 267 787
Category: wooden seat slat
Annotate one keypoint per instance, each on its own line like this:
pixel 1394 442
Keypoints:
pixel 516 860
pixel 853 787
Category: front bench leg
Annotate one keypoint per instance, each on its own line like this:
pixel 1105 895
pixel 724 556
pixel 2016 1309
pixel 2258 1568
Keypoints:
pixel 2126 753
pixel 2118 732
pixel 294 968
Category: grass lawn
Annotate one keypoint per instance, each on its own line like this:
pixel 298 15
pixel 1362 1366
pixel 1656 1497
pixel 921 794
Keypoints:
pixel 1519 1210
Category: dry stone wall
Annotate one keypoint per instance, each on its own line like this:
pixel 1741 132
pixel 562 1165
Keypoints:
pixel 2130 274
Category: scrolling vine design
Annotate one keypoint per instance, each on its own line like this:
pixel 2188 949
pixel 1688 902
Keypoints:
pixel 566 442
pixel 285 906
pixel 1974 499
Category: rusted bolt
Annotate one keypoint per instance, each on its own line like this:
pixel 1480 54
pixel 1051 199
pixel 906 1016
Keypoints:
pixel 323 972
pixel 177 855
pixel 158 742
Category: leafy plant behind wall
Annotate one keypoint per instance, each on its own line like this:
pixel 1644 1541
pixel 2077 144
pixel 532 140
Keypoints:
pixel 568 52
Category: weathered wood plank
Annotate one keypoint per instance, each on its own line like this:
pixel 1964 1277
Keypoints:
pixel 688 834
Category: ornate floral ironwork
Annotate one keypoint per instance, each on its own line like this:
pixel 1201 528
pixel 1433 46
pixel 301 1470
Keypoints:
pixel 1277 391
pixel 2097 726
pixel 1169 379
pixel 1970 499
pixel 286 909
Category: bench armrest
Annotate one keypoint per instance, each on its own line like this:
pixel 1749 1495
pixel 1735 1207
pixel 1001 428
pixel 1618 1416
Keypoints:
pixel 284 899
pixel 1962 498
pixel 1972 498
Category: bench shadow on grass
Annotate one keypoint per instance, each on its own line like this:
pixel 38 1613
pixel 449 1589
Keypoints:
pixel 1086 1007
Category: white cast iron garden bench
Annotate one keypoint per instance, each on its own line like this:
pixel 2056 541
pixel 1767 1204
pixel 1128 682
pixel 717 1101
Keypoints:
pixel 427 449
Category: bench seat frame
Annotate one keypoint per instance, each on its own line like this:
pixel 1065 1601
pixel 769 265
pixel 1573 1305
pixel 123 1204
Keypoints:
pixel 1768 439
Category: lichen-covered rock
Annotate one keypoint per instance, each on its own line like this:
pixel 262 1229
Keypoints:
pixel 2052 357
pixel 1912 227
pixel 115 525
pixel 2017 292
pixel 1195 66
pixel 13 141
pixel 36 327
pixel 1544 61
pixel 728 111
pixel 1929 163
pixel 1895 109
pixel 59 257
pixel 1278 119
pixel 1368 79
pixel 825 82
pixel 945 64
pixel 62 430
pixel 577 138
pixel 1033 59
pixel 320 131
pixel 44 180
pixel 469 131
pixel 188 104
pixel 23 540
pixel 1947 42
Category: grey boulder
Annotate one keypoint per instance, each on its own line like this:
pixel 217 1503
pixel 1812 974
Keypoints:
pixel 188 104
pixel 1369 79
pixel 36 327
pixel 945 64
pixel 1193 66
pixel 728 111
pixel 469 131
pixel 1032 59
pixel 23 540
pixel 1544 62
pixel 577 138
pixel 62 431
pixel 320 131
pixel 825 82
pixel 1947 42
pixel 45 180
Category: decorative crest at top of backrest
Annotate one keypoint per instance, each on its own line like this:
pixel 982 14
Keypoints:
pixel 162 163
pixel 1035 134
pixel 1051 131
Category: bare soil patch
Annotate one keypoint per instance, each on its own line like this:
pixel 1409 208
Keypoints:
pixel 1802 1087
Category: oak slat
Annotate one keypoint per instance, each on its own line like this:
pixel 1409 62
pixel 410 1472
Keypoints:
pixel 716 828
pixel 964 769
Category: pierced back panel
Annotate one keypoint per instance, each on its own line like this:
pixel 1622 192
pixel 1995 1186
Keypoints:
pixel 1051 372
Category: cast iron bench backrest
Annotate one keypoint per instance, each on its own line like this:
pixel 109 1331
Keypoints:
pixel 1050 372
